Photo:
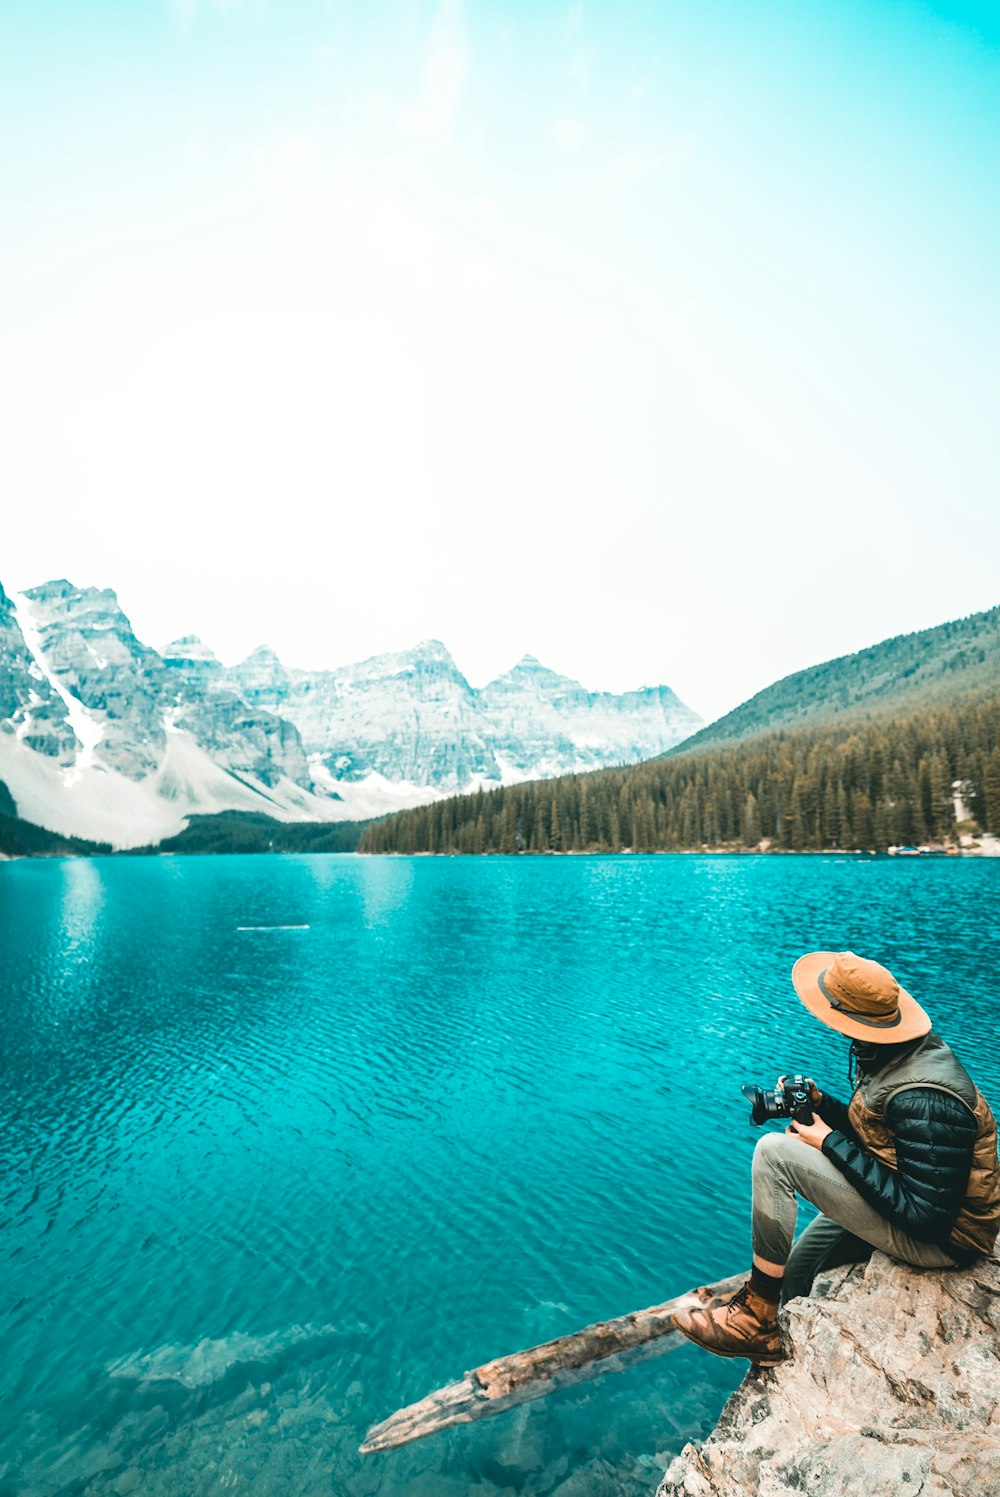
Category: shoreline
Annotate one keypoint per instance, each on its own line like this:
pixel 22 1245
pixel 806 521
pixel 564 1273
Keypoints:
pixel 935 854
pixel 145 851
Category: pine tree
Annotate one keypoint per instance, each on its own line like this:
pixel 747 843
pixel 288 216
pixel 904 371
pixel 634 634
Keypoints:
pixel 991 787
pixel 539 840
pixel 862 824
pixel 941 822
pixel 884 826
pixel 751 821
pixel 586 817
pixel 555 835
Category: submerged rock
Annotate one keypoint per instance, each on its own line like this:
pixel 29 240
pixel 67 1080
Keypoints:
pixel 893 1387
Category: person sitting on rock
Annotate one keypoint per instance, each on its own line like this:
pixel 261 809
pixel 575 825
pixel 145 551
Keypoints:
pixel 910 1167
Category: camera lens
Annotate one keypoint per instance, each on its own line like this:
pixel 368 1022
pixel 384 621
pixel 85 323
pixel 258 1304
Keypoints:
pixel 764 1105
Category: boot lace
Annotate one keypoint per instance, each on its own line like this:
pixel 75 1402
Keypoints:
pixel 741 1298
pixel 741 1301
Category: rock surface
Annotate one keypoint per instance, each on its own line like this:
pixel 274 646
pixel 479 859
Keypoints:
pixel 87 650
pixel 29 708
pixel 410 716
pixel 893 1388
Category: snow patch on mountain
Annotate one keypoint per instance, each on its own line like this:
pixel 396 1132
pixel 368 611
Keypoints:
pixel 100 804
pixel 372 795
pixel 103 805
pixel 88 729
pixel 25 725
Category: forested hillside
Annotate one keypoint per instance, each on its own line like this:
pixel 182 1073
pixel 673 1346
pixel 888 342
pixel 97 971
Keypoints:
pixel 847 785
pixel 22 839
pixel 929 668
pixel 250 831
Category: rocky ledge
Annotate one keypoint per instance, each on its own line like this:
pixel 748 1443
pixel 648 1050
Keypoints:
pixel 893 1388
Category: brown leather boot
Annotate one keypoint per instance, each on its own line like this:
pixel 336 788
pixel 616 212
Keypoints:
pixel 745 1327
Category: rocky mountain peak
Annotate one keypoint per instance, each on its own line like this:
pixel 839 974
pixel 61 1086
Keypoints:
pixel 531 673
pixel 261 677
pixel 429 661
pixel 59 595
pixel 28 706
pixel 188 647
pixel 56 587
pixel 432 652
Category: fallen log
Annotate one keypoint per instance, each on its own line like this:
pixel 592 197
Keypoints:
pixel 606 1346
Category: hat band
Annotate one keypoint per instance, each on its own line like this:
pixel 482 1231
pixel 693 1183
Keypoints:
pixel 849 1013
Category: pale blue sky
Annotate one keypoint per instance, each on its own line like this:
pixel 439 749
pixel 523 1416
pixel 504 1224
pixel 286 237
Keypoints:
pixel 658 340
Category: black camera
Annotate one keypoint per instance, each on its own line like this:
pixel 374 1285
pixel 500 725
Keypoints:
pixel 789 1100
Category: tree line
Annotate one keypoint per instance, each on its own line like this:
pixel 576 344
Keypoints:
pixel 253 831
pixel 856 785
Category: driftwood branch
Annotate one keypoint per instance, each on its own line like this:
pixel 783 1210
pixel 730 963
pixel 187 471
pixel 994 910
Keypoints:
pixel 606 1346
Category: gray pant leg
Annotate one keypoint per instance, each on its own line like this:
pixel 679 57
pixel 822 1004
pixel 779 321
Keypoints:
pixel 784 1166
pixel 824 1244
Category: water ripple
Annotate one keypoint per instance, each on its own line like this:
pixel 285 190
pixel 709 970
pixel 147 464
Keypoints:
pixel 260 1187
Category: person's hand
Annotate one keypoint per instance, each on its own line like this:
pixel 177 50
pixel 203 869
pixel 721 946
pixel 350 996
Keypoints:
pixel 812 1133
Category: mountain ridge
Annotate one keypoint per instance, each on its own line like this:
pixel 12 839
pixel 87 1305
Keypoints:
pixel 104 738
pixel 922 666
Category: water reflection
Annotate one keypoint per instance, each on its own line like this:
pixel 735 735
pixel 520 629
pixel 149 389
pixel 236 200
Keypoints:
pixel 81 902
pixel 384 884
pixel 80 906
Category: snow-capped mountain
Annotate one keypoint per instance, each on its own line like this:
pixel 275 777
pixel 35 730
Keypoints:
pixel 543 724
pixel 103 737
pixel 410 718
pixel 412 722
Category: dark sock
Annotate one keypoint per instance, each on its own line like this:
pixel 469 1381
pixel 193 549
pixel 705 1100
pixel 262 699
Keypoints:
pixel 767 1285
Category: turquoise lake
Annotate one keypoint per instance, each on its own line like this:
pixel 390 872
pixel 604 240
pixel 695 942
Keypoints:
pixel 261 1187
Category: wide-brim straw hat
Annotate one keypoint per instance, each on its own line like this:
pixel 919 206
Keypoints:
pixel 858 998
